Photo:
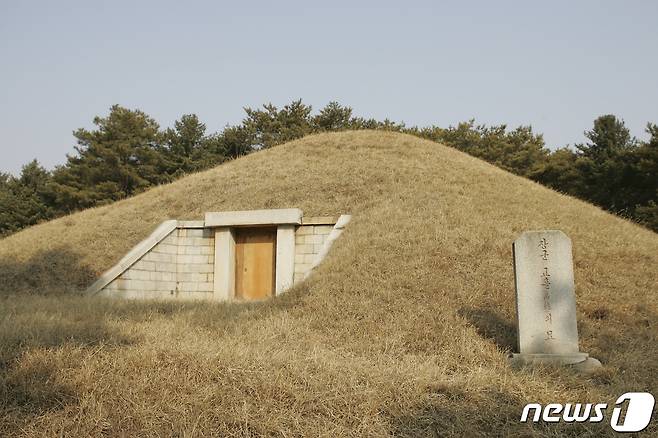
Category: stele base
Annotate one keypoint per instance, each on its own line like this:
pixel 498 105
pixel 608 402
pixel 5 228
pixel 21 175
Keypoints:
pixel 579 361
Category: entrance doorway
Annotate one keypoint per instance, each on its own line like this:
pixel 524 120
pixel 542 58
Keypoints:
pixel 255 261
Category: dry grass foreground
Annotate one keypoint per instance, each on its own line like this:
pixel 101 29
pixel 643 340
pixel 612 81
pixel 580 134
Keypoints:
pixel 402 331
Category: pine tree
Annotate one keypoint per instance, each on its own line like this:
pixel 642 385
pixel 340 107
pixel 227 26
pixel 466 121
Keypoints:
pixel 559 171
pixel 646 209
pixel 520 151
pixel 271 126
pixel 606 165
pixel 23 200
pixel 117 159
pixel 186 148
pixel 333 117
pixel 235 141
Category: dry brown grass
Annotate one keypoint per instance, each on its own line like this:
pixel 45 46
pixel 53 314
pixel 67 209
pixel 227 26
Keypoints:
pixel 403 330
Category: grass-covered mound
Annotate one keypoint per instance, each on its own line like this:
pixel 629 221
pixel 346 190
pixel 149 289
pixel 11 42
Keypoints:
pixel 404 329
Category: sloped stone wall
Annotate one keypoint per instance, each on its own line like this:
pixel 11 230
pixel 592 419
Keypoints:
pixel 180 265
pixel 309 240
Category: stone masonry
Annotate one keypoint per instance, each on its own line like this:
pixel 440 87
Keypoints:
pixel 178 260
pixel 309 240
pixel 181 264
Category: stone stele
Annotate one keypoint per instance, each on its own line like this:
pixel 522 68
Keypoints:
pixel 546 302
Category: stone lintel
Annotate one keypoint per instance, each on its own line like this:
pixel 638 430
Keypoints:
pixel 291 216
pixel 191 224
pixel 319 220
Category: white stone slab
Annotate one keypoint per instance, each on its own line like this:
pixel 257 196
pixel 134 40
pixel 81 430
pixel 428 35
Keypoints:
pixel 546 302
pixel 254 217
pixel 546 299
pixel 224 268
pixel 285 257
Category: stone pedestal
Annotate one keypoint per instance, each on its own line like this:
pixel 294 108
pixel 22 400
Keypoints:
pixel 546 302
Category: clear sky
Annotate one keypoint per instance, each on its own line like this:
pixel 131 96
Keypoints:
pixel 554 65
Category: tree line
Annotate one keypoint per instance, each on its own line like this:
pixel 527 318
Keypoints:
pixel 127 152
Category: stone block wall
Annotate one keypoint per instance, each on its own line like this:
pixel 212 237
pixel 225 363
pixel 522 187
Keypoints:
pixel 178 259
pixel 196 262
pixel 309 240
pixel 181 264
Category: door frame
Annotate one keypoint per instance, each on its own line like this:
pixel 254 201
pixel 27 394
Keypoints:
pixel 225 224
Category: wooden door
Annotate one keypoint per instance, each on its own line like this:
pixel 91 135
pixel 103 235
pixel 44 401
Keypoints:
pixel 255 261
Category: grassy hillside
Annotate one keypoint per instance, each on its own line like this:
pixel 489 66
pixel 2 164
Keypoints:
pixel 403 330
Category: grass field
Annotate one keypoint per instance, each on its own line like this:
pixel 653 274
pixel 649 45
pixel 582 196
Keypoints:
pixel 403 330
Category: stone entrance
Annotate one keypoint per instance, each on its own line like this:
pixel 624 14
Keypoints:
pixel 230 255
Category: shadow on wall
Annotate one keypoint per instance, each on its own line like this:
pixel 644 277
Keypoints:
pixel 492 326
pixel 56 271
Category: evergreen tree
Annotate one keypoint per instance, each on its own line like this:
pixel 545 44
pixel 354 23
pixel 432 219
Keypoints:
pixel 23 200
pixel 235 141
pixel 647 167
pixel 116 160
pixel 608 137
pixel 271 126
pixel 519 151
pixel 606 165
pixel 647 180
pixel 333 117
pixel 559 171
pixel 186 148
pixel 8 206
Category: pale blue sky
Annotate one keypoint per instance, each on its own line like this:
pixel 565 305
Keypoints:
pixel 555 65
